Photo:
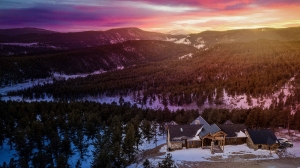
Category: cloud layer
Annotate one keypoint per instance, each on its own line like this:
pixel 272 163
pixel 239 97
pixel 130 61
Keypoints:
pixel 153 15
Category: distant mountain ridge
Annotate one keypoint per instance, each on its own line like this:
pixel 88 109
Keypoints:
pixel 77 39
pixel 246 35
pixel 73 40
pixel 25 30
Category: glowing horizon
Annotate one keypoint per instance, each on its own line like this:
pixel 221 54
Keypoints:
pixel 152 15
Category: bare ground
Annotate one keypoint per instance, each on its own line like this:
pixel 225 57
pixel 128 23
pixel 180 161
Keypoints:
pixel 276 163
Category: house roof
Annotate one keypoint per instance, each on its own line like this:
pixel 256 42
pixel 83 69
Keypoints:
pixel 228 122
pixel 183 131
pixel 232 129
pixel 207 129
pixel 263 136
pixel 199 120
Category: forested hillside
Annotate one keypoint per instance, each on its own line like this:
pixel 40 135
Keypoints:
pixel 28 50
pixel 49 134
pixel 108 57
pixel 257 68
pixel 245 35
pixel 76 40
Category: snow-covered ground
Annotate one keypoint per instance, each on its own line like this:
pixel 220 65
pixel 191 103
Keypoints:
pixel 228 101
pixel 179 41
pixel 204 155
pixel 240 101
pixel 187 56
pixel 57 76
pixel 150 145
pixel 35 44
pixel 241 153
pixel 6 154
pixel 199 43
pixel 232 153
pixel 21 44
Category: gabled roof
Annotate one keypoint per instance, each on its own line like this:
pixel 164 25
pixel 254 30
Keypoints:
pixel 207 129
pixel 232 129
pixel 228 122
pixel 183 131
pixel 263 136
pixel 199 120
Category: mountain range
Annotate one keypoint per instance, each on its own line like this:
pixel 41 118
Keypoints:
pixel 85 39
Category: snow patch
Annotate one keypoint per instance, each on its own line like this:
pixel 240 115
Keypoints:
pixel 190 55
pixel 120 67
pixel 241 134
pixel 199 43
pixel 35 44
pixel 179 41
pixel 6 154
pixel 58 76
pixel 183 41
pixel 204 155
pixel 22 44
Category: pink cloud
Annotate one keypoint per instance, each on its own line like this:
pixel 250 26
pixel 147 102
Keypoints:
pixel 152 14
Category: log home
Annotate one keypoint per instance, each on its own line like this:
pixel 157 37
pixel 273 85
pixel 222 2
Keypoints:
pixel 183 136
pixel 261 139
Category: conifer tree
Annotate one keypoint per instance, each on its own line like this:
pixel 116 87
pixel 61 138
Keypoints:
pixel 167 162
pixel 129 144
pixel 146 129
pixel 102 153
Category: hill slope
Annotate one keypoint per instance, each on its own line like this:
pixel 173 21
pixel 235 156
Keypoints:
pixel 108 57
pixel 257 68
pixel 80 39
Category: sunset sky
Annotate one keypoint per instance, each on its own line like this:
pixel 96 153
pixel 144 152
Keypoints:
pixel 152 15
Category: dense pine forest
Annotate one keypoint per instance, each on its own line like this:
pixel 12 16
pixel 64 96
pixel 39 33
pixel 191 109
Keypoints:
pixel 257 68
pixel 42 133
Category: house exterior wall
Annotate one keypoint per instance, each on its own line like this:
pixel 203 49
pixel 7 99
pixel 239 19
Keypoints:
pixel 194 144
pixel 176 144
pixel 235 140
pixel 251 145
pixel 260 146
